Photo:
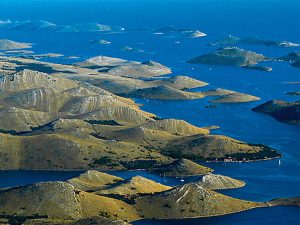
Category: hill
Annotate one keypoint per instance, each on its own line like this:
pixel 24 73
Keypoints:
pixel 181 82
pixel 93 180
pixel 231 40
pixel 282 111
pixel 164 92
pixel 181 167
pixel 229 56
pixel 12 45
pixel 60 200
pixel 190 201
pixel 133 187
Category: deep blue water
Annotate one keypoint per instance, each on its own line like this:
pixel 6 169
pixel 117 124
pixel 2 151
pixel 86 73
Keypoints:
pixel 272 19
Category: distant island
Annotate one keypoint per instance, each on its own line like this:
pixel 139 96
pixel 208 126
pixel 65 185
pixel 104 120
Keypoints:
pixel 100 198
pixel 13 45
pixel 232 40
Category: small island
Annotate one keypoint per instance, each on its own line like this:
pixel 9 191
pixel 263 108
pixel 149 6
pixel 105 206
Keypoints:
pixel 286 112
pixel 231 56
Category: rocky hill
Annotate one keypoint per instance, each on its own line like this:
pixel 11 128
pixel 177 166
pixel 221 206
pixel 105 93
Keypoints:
pixel 229 56
pixel 93 180
pixel 181 167
pixel 190 201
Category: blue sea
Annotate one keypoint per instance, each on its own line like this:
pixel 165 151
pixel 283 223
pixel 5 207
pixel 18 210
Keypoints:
pixel 266 19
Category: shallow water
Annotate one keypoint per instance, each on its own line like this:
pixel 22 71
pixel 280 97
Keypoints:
pixel 274 20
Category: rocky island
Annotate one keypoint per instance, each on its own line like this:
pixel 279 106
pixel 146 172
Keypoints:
pixel 231 56
pixel 99 198
pixel 12 45
pixel 287 112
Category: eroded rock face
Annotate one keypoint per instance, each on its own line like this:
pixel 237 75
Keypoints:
pixel 281 110
pixel 229 56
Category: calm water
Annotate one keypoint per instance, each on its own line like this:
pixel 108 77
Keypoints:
pixel 273 19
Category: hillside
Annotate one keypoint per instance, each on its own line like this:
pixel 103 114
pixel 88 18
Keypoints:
pixel 219 182
pixel 64 117
pixel 133 187
pixel 12 45
pixel 181 82
pixel 164 92
pixel 190 201
pixel 218 147
pixel 181 167
pixel 93 180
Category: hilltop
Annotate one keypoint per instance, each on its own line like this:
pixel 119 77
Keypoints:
pixel 219 182
pixel 93 180
pixel 133 187
pixel 6 44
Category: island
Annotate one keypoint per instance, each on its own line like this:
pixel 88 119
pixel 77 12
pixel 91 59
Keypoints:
pixel 291 57
pixel 6 44
pixel 232 56
pixel 99 198
pixel 232 40
pixel 286 112
pixel 185 33
pixel 258 67
pixel 66 117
